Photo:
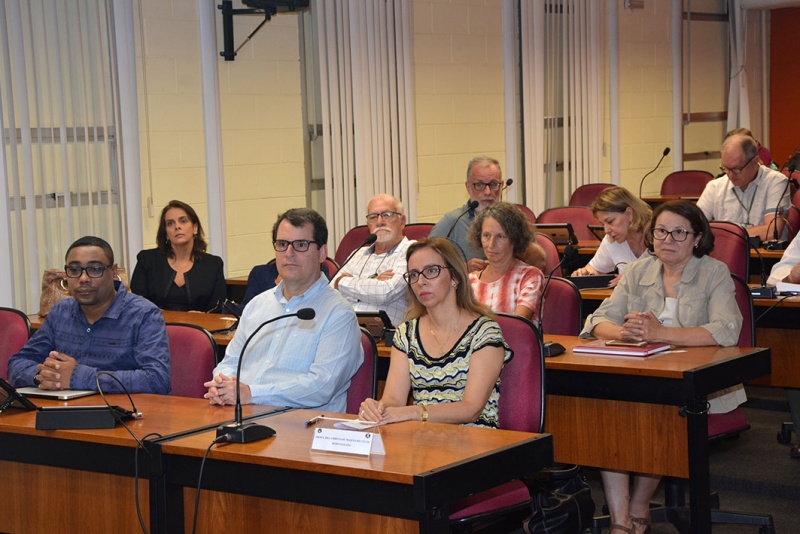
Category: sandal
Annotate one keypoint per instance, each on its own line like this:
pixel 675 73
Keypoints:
pixel 627 530
pixel 641 522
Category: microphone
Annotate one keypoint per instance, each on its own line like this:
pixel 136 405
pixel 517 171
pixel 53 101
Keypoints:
pixel 508 184
pixel 777 243
pixel 663 155
pixel 471 205
pixel 720 175
pixel 371 238
pixel 550 348
pixel 238 432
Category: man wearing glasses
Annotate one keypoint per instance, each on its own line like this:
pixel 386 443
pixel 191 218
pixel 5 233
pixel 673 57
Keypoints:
pixel 302 364
pixel 749 193
pixel 373 279
pixel 102 327
pixel 485 186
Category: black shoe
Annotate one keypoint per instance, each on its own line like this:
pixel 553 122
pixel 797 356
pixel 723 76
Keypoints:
pixel 794 452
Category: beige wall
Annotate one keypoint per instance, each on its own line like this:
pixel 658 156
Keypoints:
pixel 262 134
pixel 459 109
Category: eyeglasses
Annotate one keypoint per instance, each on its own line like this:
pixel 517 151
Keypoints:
pixel 480 186
pixel 679 234
pixel 430 272
pixel 387 216
pixel 299 245
pixel 735 171
pixel 92 271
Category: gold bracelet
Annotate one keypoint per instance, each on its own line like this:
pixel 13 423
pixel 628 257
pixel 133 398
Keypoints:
pixel 424 414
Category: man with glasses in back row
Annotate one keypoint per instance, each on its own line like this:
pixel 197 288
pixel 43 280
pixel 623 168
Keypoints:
pixel 373 279
pixel 485 186
pixel 748 193
pixel 102 327
pixel 293 362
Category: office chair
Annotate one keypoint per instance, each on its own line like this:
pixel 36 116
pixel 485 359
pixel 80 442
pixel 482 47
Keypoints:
pixel 192 354
pixel 526 211
pixel 352 240
pixel 686 183
pixel 553 263
pixel 585 194
pixel 521 408
pixel 731 247
pixel 417 231
pixel 364 383
pixel 15 329
pixel 561 308
pixel 580 217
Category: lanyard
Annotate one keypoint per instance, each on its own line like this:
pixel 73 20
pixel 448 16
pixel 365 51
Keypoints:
pixel 748 208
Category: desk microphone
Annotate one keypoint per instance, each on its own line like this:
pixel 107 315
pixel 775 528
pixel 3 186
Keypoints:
pixel 777 243
pixel 471 205
pixel 370 239
pixel 550 348
pixel 663 155
pixel 238 432
pixel 508 184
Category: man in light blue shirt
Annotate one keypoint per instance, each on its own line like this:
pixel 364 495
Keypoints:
pixel 303 364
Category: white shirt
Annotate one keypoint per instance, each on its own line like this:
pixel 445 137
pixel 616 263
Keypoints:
pixel 790 258
pixel 610 254
pixel 722 201
pixel 367 294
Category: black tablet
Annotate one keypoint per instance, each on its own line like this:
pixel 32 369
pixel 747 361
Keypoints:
pixel 10 398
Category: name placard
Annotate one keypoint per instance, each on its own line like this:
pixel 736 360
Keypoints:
pixel 347 441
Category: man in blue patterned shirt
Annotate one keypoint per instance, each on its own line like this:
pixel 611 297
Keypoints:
pixel 101 328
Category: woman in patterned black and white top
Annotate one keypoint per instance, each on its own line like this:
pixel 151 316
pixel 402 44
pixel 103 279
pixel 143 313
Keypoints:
pixel 449 353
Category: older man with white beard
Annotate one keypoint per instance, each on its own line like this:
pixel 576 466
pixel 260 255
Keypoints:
pixel 373 279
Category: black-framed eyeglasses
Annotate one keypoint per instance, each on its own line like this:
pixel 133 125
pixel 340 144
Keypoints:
pixel 480 186
pixel 679 234
pixel 299 245
pixel 430 272
pixel 387 216
pixel 92 271
pixel 728 170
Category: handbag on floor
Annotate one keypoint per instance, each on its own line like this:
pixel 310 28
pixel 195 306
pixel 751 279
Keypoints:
pixel 561 502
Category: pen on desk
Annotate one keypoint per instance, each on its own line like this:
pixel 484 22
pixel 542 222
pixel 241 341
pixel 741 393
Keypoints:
pixel 314 420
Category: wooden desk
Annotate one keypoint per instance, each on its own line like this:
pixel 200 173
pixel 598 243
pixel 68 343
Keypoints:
pixel 644 415
pixel 82 480
pixel 777 321
pixel 279 485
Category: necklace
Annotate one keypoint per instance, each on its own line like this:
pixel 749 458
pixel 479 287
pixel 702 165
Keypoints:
pixel 449 335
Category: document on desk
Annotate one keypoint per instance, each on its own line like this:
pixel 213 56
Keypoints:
pixel 785 288
pixel 610 348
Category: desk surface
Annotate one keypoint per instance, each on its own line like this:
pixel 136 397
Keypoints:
pixel 426 466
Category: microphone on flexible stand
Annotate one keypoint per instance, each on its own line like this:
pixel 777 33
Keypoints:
pixel 777 243
pixel 471 205
pixel 663 155
pixel 551 348
pixel 370 239
pixel 508 184
pixel 238 432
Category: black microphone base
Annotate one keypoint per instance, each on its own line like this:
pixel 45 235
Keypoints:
pixel 775 244
pixel 763 292
pixel 244 433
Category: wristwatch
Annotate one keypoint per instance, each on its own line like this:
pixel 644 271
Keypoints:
pixel 36 381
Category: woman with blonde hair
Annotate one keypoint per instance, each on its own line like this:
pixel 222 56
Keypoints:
pixel 625 218
pixel 449 353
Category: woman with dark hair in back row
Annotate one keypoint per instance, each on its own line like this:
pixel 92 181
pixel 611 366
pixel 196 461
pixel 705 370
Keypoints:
pixel 179 274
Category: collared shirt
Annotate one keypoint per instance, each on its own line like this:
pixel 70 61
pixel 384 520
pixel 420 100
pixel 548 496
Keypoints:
pixel 130 340
pixel 365 293
pixel 459 232
pixel 303 364
pixel 790 258
pixel 722 201
pixel 705 297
